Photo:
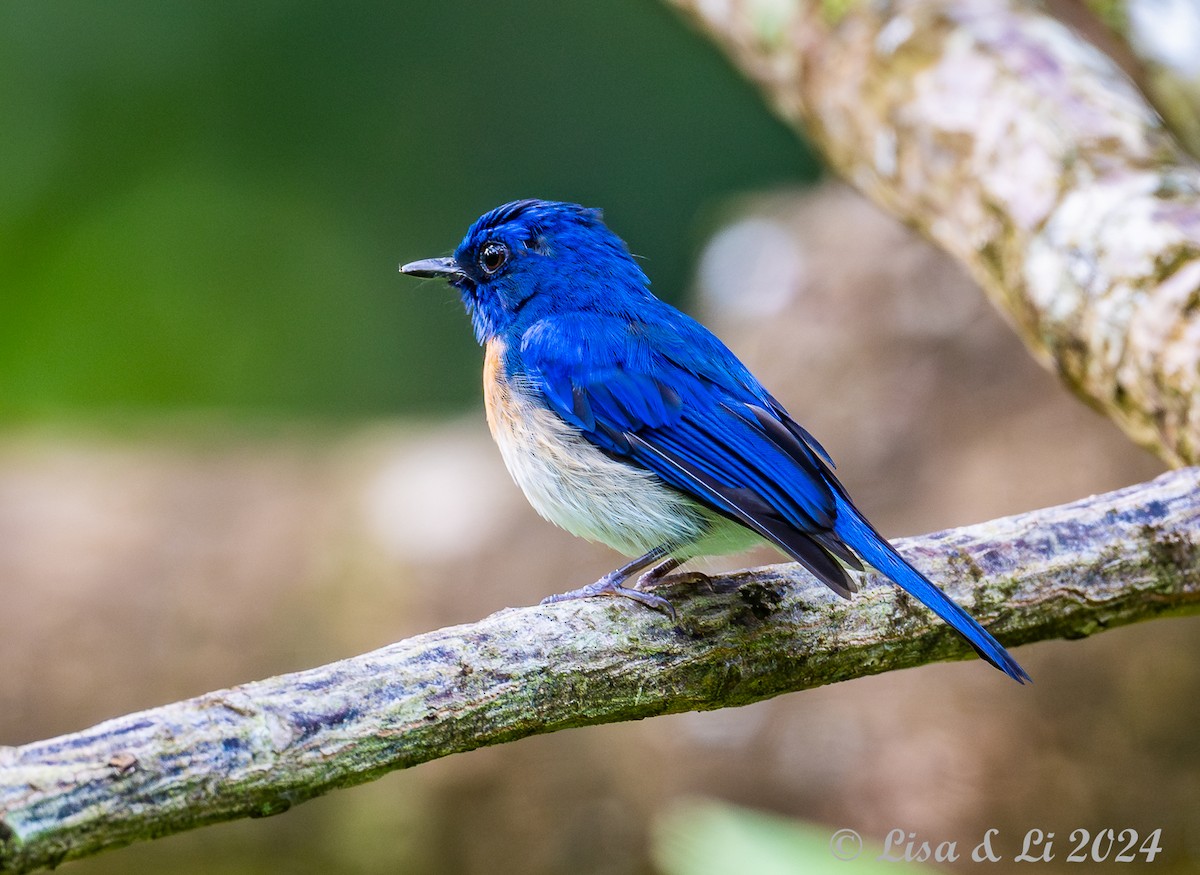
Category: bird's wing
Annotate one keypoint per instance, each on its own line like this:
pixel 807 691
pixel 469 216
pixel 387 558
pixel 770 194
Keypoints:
pixel 670 397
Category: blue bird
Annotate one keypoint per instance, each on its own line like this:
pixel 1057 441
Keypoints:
pixel 627 422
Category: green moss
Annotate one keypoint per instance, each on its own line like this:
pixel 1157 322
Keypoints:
pixel 965 564
pixel 1084 630
pixel 9 846
pixel 761 598
pixel 1172 259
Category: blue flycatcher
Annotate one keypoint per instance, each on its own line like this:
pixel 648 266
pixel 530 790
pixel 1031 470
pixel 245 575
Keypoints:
pixel 625 421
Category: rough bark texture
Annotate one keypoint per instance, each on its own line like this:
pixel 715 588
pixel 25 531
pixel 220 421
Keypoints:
pixel 257 749
pixel 1024 152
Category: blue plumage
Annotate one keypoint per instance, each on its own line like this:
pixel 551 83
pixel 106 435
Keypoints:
pixel 628 422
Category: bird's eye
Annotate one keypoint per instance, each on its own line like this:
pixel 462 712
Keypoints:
pixel 493 256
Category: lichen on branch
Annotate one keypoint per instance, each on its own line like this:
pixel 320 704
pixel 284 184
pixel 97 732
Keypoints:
pixel 259 748
pixel 1025 152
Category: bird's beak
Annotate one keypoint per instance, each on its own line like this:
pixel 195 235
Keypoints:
pixel 434 267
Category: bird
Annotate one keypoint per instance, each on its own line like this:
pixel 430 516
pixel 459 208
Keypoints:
pixel 625 421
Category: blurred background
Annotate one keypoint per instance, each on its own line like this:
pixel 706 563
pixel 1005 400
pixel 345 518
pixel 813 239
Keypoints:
pixel 234 442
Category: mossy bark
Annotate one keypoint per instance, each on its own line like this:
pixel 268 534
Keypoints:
pixel 1026 153
pixel 257 749
pixel 1172 86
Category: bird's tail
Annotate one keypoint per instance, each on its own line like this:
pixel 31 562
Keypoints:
pixel 861 536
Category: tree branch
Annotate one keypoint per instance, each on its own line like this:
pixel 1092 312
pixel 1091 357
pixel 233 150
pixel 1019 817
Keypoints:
pixel 1164 39
pixel 1024 152
pixel 257 749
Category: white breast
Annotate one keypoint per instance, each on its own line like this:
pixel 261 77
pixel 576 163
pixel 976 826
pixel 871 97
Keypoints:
pixel 574 485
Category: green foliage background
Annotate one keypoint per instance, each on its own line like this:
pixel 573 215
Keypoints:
pixel 203 205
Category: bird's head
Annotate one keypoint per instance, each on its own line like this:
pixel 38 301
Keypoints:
pixel 528 259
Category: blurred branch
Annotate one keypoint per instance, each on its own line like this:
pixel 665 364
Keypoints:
pixel 1164 35
pixel 1026 153
pixel 257 749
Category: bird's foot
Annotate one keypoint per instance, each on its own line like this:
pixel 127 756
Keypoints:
pixel 611 584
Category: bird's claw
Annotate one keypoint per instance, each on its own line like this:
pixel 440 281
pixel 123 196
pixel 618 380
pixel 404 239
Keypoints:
pixel 609 586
